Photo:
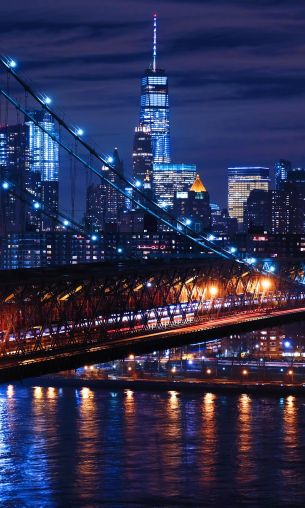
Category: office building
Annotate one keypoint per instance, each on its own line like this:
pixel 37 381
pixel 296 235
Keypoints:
pixel 281 169
pixel 142 156
pixel 258 211
pixel 14 174
pixel 169 179
pixel 104 204
pixel 241 181
pixel 192 207
pixel 44 167
pixel 154 114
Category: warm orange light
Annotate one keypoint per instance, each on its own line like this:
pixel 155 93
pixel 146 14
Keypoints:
pixel 129 368
pixel 131 357
pixel 290 372
pixel 173 370
pixel 213 290
pixel 245 372
pixel 266 284
pixel 209 371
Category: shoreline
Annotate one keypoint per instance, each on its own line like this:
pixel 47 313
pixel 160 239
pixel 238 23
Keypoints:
pixel 157 385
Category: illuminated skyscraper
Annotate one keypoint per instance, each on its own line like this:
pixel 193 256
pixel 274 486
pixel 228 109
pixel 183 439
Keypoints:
pixel 154 113
pixel 14 169
pixel 142 156
pixel 44 164
pixel 281 169
pixel 241 181
pixel 169 179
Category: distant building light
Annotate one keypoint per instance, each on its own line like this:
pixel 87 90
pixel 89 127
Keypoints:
pixel 12 64
pixel 110 159
pixel 94 238
pixel 138 183
pixel 66 222
pixel 188 222
pixel 79 132
pixel 36 205
pixel 119 250
pixel 233 250
pixel 5 185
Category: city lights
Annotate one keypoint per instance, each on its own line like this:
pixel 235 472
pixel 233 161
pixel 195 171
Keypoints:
pixel 79 132
pixel 266 284
pixel 12 64
pixel 213 291
pixel 5 185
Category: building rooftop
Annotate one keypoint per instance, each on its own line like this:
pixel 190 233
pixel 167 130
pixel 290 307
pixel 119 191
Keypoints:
pixel 198 185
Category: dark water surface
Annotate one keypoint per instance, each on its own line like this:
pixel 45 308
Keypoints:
pixel 67 447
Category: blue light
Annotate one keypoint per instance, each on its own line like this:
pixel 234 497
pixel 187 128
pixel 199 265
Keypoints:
pixel 138 183
pixel 120 250
pixel 47 100
pixel 110 159
pixel 79 132
pixel 287 343
pixel 36 205
pixel 149 284
pixel 5 185
pixel 211 238
pixel 233 250
pixel 94 238
pixel 66 222
pixel 272 269
pixel 188 222
pixel 12 64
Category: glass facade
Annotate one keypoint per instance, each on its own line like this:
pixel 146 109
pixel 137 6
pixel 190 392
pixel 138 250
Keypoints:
pixel 281 169
pixel 241 181
pixel 155 112
pixel 44 165
pixel 168 179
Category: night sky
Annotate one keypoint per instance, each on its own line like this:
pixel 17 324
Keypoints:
pixel 236 73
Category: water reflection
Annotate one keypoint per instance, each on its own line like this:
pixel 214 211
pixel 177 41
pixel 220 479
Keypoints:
pixel 86 473
pixel 209 440
pixel 246 465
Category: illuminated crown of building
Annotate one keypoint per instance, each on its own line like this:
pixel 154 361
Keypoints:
pixel 198 185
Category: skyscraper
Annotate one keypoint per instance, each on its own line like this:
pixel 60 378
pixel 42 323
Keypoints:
pixel 168 179
pixel 104 204
pixel 15 170
pixel 241 181
pixel 281 169
pixel 142 156
pixel 44 164
pixel 193 206
pixel 154 113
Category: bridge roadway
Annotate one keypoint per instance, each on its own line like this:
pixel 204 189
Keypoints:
pixel 39 363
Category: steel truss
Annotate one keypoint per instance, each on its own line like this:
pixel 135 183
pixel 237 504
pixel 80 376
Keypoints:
pixel 55 309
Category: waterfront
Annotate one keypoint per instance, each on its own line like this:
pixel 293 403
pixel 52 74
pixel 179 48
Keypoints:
pixel 77 443
pixel 82 447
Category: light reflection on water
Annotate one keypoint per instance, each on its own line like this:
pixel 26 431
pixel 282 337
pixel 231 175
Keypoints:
pixel 85 447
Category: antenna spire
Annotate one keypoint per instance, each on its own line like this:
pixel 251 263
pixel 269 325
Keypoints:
pixel 155 43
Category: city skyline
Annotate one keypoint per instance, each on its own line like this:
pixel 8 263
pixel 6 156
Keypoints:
pixel 230 86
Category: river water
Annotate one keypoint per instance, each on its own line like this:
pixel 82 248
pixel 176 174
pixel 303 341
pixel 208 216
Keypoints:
pixel 67 447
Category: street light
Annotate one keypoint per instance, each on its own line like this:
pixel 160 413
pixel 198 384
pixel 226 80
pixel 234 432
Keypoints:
pixel 266 284
pixel 213 291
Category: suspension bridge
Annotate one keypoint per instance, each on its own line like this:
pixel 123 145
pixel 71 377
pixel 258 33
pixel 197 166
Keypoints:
pixel 61 317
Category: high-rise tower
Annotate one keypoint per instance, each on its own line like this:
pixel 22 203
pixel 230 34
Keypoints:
pixel 155 107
